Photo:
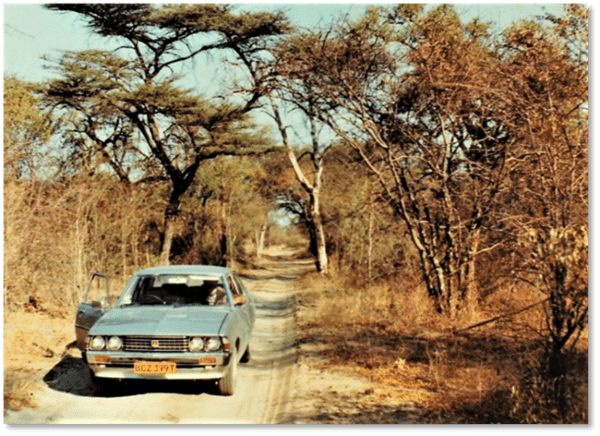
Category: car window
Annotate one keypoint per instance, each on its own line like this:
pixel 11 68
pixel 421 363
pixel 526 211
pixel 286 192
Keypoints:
pixel 96 289
pixel 233 285
pixel 240 284
pixel 176 290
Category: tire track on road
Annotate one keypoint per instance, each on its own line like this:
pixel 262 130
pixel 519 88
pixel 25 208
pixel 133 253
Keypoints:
pixel 265 390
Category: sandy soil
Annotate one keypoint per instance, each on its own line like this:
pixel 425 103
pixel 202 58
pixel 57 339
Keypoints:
pixel 279 385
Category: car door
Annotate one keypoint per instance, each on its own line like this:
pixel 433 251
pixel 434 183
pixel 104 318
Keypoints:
pixel 242 311
pixel 251 309
pixel 96 302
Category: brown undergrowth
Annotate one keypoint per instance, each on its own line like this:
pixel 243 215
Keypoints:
pixel 454 372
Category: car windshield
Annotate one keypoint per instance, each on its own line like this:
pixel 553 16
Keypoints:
pixel 176 290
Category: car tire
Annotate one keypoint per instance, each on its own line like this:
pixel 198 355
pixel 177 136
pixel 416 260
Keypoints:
pixel 246 356
pixel 227 383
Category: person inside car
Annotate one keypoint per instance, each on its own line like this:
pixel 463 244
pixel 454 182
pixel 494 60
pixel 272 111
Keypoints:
pixel 217 297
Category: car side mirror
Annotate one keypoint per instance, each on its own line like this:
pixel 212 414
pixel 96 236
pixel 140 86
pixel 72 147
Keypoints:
pixel 239 300
pixel 100 304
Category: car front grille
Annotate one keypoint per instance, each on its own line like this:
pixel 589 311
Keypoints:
pixel 151 343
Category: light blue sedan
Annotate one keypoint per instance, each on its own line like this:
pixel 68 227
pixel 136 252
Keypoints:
pixel 173 322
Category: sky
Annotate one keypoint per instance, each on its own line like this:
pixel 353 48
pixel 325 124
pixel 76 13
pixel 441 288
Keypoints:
pixel 30 31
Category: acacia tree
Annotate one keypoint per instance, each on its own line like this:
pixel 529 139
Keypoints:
pixel 128 105
pixel 411 92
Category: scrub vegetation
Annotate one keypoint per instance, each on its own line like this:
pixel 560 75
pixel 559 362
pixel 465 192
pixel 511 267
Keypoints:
pixel 436 170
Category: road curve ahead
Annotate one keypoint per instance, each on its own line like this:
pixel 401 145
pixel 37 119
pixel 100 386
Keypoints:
pixel 265 388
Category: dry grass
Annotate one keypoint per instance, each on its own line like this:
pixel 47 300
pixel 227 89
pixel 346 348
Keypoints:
pixel 18 391
pixel 391 335
pixel 32 338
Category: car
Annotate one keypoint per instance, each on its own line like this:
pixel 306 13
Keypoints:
pixel 186 322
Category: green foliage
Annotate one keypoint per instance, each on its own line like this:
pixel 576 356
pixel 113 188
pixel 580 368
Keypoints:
pixel 220 18
pixel 128 108
pixel 26 129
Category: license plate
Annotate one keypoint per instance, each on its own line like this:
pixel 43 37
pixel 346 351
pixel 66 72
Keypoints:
pixel 154 368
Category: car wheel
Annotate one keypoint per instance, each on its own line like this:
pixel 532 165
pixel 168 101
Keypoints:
pixel 246 356
pixel 227 383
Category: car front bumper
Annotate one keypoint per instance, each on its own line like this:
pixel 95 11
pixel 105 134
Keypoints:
pixel 120 365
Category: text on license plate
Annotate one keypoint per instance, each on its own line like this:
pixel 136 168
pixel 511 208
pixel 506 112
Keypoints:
pixel 154 367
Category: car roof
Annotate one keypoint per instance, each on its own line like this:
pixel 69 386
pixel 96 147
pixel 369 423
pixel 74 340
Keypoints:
pixel 186 269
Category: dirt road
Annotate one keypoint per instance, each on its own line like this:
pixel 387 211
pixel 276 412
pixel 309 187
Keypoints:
pixel 266 388
pixel 285 382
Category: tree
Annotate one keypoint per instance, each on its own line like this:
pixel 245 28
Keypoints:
pixel 296 84
pixel 222 211
pixel 25 129
pixel 547 205
pixel 310 212
pixel 364 237
pixel 129 106
pixel 411 92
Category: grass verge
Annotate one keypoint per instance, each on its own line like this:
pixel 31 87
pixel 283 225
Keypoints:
pixel 18 391
pixel 391 335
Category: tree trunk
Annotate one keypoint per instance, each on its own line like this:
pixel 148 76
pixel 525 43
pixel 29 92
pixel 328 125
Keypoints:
pixel 260 241
pixel 319 233
pixel 322 263
pixel 557 372
pixel 171 213
pixel 469 291
pixel 312 238
pixel 313 215
pixel 124 243
pixel 223 240
pixel 169 232
pixel 370 248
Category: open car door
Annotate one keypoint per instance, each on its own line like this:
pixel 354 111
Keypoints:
pixel 96 302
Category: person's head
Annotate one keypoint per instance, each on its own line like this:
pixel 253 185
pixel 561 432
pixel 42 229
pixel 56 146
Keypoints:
pixel 216 296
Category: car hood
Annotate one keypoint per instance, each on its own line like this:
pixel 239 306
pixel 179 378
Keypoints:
pixel 161 321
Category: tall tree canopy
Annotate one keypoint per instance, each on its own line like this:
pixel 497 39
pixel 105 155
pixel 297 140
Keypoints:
pixel 128 105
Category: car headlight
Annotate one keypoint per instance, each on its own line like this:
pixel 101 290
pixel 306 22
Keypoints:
pixel 114 344
pixel 196 344
pixel 97 343
pixel 213 344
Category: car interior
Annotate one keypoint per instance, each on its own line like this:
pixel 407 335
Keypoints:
pixel 210 293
